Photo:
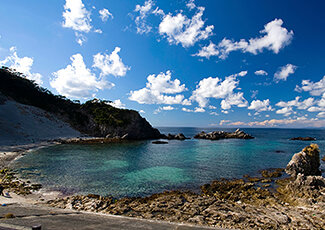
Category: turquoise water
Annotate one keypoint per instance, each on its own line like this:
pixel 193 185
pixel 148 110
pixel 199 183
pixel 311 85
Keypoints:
pixel 141 168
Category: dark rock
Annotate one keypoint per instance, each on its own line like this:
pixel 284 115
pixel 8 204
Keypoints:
pixel 303 139
pixel 305 162
pixel 159 142
pixel 272 173
pixel 217 135
pixel 169 136
pixel 279 151
pixel 323 159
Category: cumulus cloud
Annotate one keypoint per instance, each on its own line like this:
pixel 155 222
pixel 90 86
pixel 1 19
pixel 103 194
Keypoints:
pixel 305 104
pixel 261 72
pixel 117 104
pixel 77 81
pixel 286 111
pixel 288 106
pixel 275 38
pixel 157 90
pixel 105 14
pixel 165 108
pixel 283 72
pixel 22 65
pixel 77 17
pixel 299 122
pixel 218 89
pixel 260 106
pixel 110 64
pixel 234 99
pixel 196 110
pixel 180 29
pixel 321 115
pixel 208 51
pixel 315 89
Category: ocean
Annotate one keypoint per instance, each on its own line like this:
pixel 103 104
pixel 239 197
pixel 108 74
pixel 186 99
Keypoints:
pixel 140 168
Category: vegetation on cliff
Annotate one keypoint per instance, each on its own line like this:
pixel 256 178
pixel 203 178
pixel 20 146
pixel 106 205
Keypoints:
pixel 95 117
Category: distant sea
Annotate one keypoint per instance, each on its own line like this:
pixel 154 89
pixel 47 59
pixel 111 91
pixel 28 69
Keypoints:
pixel 140 168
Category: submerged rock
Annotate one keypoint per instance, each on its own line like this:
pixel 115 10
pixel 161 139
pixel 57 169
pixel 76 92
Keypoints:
pixel 303 139
pixel 217 135
pixel 305 162
pixel 159 142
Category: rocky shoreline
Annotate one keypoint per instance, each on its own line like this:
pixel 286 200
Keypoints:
pixel 298 202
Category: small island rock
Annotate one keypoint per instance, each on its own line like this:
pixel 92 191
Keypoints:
pixel 217 135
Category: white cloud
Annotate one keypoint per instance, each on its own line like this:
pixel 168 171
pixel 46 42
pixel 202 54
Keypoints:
pixel 298 123
pixel 208 51
pixel 76 16
pixel 105 14
pixel 315 89
pixel 214 113
pixel 218 89
pixel 156 89
pixel 144 11
pixel 286 111
pixel 110 64
pixel 212 107
pixel 288 106
pixel 168 108
pixel 316 109
pixel 196 110
pixel 76 80
pixel 118 104
pixel 261 72
pixel 261 105
pixel 296 103
pixel 22 65
pixel 190 4
pixel 275 38
pixel 283 72
pixel 142 111
pixel 234 99
pixel 180 29
pixel 165 108
pixel 321 115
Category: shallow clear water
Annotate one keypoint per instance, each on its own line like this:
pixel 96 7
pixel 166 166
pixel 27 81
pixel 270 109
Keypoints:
pixel 141 168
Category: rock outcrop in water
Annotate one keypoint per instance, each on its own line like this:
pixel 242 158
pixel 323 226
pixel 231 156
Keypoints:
pixel 238 134
pixel 169 136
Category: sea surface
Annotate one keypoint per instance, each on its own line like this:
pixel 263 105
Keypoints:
pixel 140 168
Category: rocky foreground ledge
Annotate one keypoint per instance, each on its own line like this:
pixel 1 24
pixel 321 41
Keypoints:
pixel 298 202
pixel 217 135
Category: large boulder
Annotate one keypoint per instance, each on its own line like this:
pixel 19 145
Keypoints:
pixel 305 162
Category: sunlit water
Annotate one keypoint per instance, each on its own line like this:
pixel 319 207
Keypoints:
pixel 141 168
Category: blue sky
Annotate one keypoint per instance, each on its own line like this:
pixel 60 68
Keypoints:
pixel 228 63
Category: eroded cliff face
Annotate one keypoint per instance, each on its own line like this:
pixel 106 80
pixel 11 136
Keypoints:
pixel 138 128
